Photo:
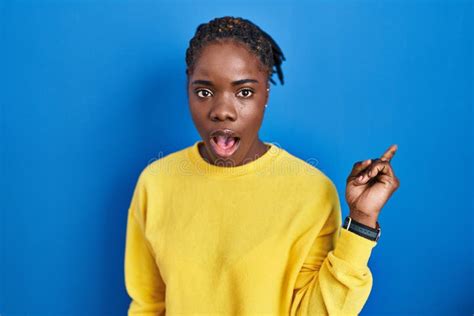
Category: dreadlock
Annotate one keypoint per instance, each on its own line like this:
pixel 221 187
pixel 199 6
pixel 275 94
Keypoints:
pixel 240 30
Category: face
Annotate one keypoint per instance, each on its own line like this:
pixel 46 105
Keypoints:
pixel 227 93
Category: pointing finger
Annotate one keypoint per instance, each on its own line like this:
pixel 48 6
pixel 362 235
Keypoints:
pixel 389 153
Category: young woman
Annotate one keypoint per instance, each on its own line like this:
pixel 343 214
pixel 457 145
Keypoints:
pixel 233 225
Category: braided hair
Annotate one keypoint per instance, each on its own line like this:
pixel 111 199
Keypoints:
pixel 242 31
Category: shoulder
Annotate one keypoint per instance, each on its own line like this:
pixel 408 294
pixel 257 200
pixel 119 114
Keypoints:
pixel 164 166
pixel 312 187
pixel 305 169
pixel 305 178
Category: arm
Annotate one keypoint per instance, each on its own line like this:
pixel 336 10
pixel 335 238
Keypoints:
pixel 335 278
pixel 143 281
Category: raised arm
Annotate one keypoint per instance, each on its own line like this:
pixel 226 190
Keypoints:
pixel 335 278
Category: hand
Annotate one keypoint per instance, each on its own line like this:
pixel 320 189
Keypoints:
pixel 369 186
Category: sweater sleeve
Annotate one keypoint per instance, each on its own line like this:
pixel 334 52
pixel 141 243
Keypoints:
pixel 335 278
pixel 143 280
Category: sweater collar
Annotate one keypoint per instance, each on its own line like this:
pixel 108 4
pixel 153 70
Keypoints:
pixel 253 166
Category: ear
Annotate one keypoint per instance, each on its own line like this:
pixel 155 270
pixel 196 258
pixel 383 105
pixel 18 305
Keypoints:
pixel 267 92
pixel 188 77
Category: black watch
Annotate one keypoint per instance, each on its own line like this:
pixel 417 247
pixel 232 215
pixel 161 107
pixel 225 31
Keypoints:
pixel 362 230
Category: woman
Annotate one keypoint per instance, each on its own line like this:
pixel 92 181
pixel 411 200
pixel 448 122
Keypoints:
pixel 233 225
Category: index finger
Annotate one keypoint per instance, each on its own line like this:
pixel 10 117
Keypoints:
pixel 389 153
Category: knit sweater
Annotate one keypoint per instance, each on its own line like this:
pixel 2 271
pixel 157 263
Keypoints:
pixel 262 238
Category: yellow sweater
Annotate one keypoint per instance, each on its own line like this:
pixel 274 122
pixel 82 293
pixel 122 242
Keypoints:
pixel 264 238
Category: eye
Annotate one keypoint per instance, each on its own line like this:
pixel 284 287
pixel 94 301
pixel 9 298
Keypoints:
pixel 203 93
pixel 245 93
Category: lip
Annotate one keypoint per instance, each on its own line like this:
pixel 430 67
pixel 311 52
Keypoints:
pixel 220 152
pixel 224 131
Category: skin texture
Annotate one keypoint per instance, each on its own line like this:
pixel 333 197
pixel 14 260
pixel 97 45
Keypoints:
pixel 222 104
pixel 218 103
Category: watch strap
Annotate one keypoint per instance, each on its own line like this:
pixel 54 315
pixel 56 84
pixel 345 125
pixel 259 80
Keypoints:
pixel 362 230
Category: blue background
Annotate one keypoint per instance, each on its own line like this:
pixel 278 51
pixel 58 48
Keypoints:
pixel 92 91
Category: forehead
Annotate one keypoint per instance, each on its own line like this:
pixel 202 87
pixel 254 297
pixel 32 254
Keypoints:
pixel 227 59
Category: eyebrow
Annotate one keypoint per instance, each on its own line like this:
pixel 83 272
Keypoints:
pixel 234 83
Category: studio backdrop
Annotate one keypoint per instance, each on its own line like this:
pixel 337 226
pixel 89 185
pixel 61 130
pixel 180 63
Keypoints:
pixel 93 91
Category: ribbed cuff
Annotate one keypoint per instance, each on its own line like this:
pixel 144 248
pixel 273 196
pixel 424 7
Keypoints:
pixel 353 248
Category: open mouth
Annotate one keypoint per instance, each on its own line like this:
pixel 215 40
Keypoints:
pixel 224 146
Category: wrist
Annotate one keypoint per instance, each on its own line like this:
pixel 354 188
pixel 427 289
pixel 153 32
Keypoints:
pixel 365 219
pixel 371 233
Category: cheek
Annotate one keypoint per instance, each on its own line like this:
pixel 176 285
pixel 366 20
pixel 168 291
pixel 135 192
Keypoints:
pixel 197 113
pixel 253 107
pixel 252 114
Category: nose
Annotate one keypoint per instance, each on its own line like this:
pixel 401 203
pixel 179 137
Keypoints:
pixel 223 110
